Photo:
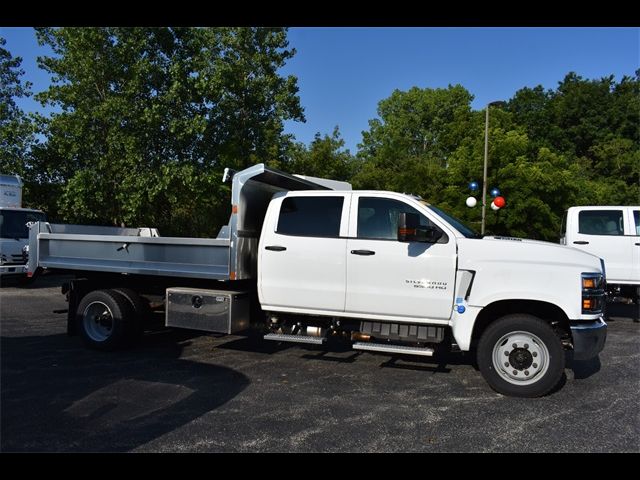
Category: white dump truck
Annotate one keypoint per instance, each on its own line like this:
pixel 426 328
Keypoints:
pixel 306 260
pixel 14 234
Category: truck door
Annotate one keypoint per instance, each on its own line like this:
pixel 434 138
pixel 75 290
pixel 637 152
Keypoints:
pixel 302 252
pixel 601 233
pixel 635 244
pixel 387 277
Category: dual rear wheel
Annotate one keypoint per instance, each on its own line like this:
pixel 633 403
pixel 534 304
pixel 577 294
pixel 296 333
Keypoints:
pixel 111 319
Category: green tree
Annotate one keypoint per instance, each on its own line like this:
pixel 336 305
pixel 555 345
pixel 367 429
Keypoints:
pixel 326 157
pixel 16 128
pixel 548 149
pixel 151 116
pixel 595 124
pixel 406 149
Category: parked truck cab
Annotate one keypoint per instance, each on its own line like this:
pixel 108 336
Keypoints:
pixel 613 234
pixel 385 272
pixel 14 233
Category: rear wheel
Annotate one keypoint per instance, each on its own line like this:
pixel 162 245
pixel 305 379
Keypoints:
pixel 103 319
pixel 520 355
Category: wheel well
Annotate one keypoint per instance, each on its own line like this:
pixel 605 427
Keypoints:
pixel 544 310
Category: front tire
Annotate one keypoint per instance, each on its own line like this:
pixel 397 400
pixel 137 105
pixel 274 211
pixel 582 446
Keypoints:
pixel 520 355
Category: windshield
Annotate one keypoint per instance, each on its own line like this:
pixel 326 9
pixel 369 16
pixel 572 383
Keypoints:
pixel 455 223
pixel 13 223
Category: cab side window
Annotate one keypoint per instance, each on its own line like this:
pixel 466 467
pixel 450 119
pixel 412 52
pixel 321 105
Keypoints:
pixel 310 216
pixel 378 218
pixel 636 220
pixel 601 222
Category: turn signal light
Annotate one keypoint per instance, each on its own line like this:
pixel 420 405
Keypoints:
pixel 587 303
pixel 588 283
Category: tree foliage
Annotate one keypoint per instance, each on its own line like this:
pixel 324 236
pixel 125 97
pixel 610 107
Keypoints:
pixel 325 157
pixel 548 150
pixel 16 128
pixel 151 116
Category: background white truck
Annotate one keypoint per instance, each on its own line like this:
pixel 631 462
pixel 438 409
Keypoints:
pixel 384 271
pixel 14 233
pixel 613 234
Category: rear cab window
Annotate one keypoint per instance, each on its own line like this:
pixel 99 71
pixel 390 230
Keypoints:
pixel 636 221
pixel 601 222
pixel 310 216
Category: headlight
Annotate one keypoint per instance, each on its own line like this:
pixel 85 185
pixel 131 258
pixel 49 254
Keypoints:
pixel 592 292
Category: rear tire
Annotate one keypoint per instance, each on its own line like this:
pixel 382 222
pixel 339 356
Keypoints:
pixel 103 320
pixel 520 355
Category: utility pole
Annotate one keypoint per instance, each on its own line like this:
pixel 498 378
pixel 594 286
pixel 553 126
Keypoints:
pixel 486 158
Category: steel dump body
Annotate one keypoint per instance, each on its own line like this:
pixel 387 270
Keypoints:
pixel 129 253
pixel 139 251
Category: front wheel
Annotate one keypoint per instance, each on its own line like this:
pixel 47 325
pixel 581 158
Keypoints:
pixel 520 355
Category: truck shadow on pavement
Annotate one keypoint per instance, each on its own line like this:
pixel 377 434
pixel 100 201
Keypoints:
pixel 337 351
pixel 584 368
pixel 58 396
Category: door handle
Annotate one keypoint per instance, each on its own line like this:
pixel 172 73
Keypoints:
pixel 363 252
pixel 581 242
pixel 638 244
pixel 275 248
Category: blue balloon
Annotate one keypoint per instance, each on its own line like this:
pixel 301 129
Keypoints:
pixel 473 186
pixel 495 192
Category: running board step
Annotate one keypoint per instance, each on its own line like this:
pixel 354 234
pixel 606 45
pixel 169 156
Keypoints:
pixel 379 347
pixel 282 337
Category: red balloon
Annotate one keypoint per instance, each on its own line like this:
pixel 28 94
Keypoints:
pixel 499 201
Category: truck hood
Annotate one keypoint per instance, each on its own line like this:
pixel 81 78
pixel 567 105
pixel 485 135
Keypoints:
pixel 519 252
pixel 518 269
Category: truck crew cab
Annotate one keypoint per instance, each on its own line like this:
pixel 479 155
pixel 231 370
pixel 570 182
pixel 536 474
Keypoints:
pixel 384 271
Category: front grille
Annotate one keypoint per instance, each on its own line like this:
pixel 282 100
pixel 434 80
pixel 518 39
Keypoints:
pixel 17 259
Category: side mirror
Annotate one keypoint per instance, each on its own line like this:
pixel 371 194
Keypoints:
pixel 410 230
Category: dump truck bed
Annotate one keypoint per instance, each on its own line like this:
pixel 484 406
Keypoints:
pixel 140 251
pixel 130 253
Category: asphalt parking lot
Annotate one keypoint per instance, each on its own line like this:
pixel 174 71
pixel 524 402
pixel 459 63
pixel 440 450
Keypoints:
pixel 182 391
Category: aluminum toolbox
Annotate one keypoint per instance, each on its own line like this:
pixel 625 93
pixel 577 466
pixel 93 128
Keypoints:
pixel 217 311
